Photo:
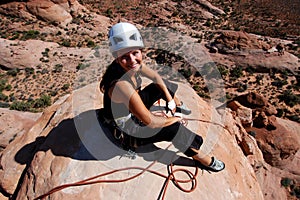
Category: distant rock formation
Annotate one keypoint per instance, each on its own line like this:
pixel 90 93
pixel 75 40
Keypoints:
pixel 59 12
pixel 245 49
pixel 210 7
pixel 273 138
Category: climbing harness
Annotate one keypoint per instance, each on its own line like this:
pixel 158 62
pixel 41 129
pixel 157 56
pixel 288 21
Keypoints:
pixel 129 154
pixel 121 121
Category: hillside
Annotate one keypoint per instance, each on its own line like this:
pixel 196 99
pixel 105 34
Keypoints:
pixel 52 51
pixel 201 20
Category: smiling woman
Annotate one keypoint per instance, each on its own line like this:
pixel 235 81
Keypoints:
pixel 127 105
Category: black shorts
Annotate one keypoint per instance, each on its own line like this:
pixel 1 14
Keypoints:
pixel 182 138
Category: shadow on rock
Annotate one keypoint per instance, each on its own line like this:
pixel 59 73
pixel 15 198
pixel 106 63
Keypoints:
pixel 85 137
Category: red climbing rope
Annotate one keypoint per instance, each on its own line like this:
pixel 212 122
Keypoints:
pixel 170 177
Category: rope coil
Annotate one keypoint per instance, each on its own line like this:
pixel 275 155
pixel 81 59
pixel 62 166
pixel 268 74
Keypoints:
pixel 170 177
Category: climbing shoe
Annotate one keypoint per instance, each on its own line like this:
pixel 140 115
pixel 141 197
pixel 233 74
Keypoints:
pixel 183 109
pixel 215 165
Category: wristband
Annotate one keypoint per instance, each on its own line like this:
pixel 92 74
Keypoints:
pixel 171 104
pixel 178 115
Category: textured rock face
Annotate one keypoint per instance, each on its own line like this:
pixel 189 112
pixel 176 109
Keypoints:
pixel 64 148
pixel 257 102
pixel 58 12
pixel 244 113
pixel 66 144
pixel 277 144
pixel 13 164
pixel 14 124
pixel 273 137
pixel 49 11
pixel 231 40
pixel 26 54
pixel 245 49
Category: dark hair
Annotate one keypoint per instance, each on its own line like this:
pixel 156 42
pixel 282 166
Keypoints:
pixel 113 72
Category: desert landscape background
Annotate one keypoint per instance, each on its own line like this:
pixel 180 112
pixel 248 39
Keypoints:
pixel 264 19
pixel 49 49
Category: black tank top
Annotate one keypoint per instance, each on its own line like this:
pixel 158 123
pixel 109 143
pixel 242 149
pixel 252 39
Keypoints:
pixel 114 110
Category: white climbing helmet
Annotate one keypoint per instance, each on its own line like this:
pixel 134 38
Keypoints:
pixel 124 37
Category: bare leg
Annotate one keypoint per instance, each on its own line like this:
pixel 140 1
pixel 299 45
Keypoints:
pixel 212 163
pixel 204 159
pixel 177 101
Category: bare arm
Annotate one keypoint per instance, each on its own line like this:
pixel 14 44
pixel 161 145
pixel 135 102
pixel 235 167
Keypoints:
pixel 123 92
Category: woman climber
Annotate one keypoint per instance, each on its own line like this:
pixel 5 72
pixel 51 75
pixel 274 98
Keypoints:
pixel 127 105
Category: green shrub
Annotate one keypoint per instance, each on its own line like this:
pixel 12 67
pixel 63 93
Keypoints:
pixel 31 34
pixel 20 106
pixel 82 66
pixel 236 72
pixel 13 72
pixel 53 93
pixel 31 105
pixel 3 97
pixel 228 96
pixel 29 70
pixel 109 13
pixel 66 43
pixel 207 23
pixel 58 68
pixel 8 87
pixel 44 71
pixel 286 182
pixel 91 44
pixel 258 78
pixel 2 84
pixel 242 87
pixel 296 192
pixel 187 73
pixel 42 102
pixel 289 98
pixel 279 82
pixel 280 112
pixel 65 86
pixel 223 71
pixel 4 105
pixel 16 35
pixel 46 52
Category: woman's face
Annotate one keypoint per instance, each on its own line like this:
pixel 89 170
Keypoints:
pixel 131 60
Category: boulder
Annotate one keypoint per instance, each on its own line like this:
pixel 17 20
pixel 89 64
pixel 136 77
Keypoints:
pixel 244 113
pixel 260 120
pixel 14 124
pixel 278 143
pixel 58 12
pixel 231 40
pixel 49 11
pixel 210 7
pixel 67 144
pixel 12 167
pixel 256 101
pixel 17 9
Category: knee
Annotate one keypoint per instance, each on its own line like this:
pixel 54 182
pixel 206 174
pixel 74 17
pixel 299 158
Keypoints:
pixel 196 144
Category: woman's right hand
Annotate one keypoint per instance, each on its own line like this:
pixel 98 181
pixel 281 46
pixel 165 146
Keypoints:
pixel 171 105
